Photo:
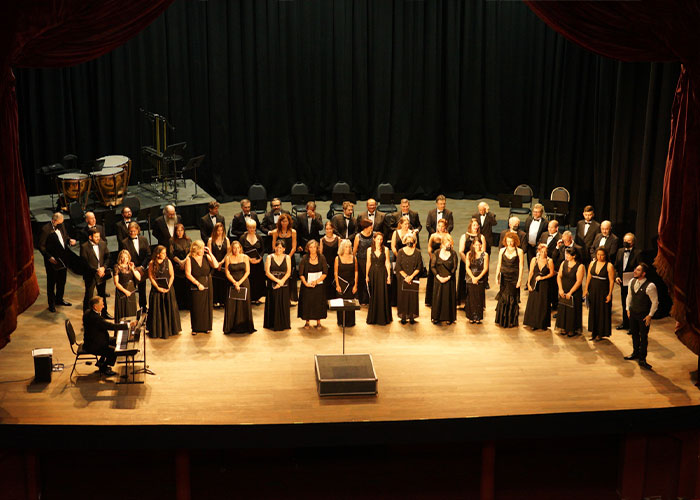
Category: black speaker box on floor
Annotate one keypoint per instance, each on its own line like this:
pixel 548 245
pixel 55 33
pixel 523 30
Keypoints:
pixel 345 375
pixel 43 364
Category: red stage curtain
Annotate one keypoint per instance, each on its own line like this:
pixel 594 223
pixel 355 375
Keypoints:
pixel 661 30
pixel 45 33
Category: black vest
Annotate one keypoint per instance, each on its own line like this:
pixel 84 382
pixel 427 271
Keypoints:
pixel 641 303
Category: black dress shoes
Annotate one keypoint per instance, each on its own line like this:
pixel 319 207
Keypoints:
pixel 106 315
pixel 632 356
pixel 403 321
pixel 63 303
pixel 643 364
pixel 107 371
pixel 52 309
pixel 621 327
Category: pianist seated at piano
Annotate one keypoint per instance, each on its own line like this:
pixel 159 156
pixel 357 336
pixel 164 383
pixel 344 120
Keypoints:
pixel 96 335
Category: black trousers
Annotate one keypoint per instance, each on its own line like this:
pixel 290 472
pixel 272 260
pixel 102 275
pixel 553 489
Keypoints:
pixel 143 298
pixel 106 354
pixel 623 296
pixel 55 283
pixel 640 336
pixel 90 286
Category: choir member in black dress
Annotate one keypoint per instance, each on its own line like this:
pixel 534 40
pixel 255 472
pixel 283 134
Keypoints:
pixel 363 242
pixel 278 268
pixel 586 231
pixel 378 279
pixel 550 238
pixel 121 227
pixel 178 250
pixel 605 240
pixel 477 268
pixel 509 273
pixel 198 269
pixel 570 282
pixel 53 245
pixel 238 224
pixel 163 315
pixel 329 249
pixel 208 221
pixel 434 243
pixel 538 313
pixel 443 265
pixel 313 270
pixel 627 259
pixel 288 235
pixel 126 275
pixel 253 248
pixel 600 282
pixel 344 224
pixel 535 227
pixel 140 251
pixel 238 315
pixel 409 264
pixel 346 279
pixel 164 226
pixel 218 245
pixel 472 234
pixel 403 228
pixel 309 226
pixel 95 256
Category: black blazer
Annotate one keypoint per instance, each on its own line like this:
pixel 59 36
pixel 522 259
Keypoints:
pixel 558 256
pixel 552 247
pixel 413 217
pixel 593 230
pixel 206 227
pixel 96 331
pixel 543 229
pixel 90 259
pixel 85 232
pixel 122 230
pixel 378 221
pixel 521 236
pixel 143 257
pixel 237 227
pixel 340 224
pixel 160 230
pixel 302 227
pixel 431 221
pixel 50 246
pixel 610 246
pixel 634 260
pixel 268 222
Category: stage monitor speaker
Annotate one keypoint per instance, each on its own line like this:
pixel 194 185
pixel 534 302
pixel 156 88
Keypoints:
pixel 345 375
pixel 43 364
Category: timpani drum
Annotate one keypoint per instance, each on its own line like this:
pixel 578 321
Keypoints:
pixel 73 187
pixel 112 182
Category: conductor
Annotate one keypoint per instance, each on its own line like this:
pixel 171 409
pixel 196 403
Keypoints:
pixel 96 335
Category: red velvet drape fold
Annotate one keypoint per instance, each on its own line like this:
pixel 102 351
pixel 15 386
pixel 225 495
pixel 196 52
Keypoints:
pixel 657 30
pixel 45 33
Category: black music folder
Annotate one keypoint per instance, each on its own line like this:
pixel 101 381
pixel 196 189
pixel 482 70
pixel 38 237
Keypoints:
pixel 240 294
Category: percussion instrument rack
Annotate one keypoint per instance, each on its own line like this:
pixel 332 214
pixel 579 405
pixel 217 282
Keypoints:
pixel 162 156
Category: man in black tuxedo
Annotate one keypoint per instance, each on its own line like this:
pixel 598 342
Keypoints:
pixel 95 255
pixel 122 226
pixel 238 224
pixel 535 227
pixel 270 219
pixel 413 219
pixel 92 225
pixel 607 240
pixel 372 214
pixel 309 226
pixel 487 221
pixel 344 224
pixel 208 221
pixel 626 260
pixel 514 226
pixel 53 245
pixel 164 226
pixel 586 231
pixel 437 213
pixel 566 241
pixel 140 251
pixel 96 338
pixel 551 238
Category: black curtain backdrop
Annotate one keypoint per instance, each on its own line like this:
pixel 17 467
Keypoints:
pixel 464 98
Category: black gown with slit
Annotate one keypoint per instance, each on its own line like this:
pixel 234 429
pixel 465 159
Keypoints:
pixel 347 273
pixel 379 312
pixel 277 316
pixel 238 316
pixel 507 308
pixel 202 309
pixel 444 303
pixel 163 318
pixel 537 311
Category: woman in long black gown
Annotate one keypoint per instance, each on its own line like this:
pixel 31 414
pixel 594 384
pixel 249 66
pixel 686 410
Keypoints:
pixel 278 269
pixel 443 266
pixel 408 266
pixel 329 249
pixel 178 250
pixel 238 316
pixel 466 241
pixel 599 289
pixel 125 278
pixel 509 272
pixel 346 279
pixel 198 269
pixel 363 241
pixel 378 278
pixel 288 234
pixel 163 315
pixel 537 312
pixel 312 296
pixel 569 281
pixel 403 229
pixel 476 270
pixel 433 246
pixel 253 247
pixel 218 247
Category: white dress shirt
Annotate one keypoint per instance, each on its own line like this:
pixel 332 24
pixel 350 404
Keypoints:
pixel 534 229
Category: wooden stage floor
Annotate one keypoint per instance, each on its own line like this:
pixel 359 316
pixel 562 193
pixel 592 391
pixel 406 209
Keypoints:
pixel 460 371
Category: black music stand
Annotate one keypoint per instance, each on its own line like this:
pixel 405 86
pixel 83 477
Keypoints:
pixel 556 208
pixel 145 368
pixel 510 200
pixel 194 163
pixel 339 198
pixel 348 305
pixel 258 205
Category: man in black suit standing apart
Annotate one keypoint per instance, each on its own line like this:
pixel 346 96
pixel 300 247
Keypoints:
pixel 309 226
pixel 566 241
pixel 344 224
pixel 607 240
pixel 437 213
pixel 122 227
pixel 96 338
pixel 238 224
pixel 95 255
pixel 372 214
pixel 140 251
pixel 164 226
pixel 586 231
pixel 487 221
pixel 53 245
pixel 535 227
pixel 627 259
pixel 208 221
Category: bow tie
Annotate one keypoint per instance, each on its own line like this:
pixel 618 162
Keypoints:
pixel 588 223
pixel 439 212
pixel 628 251
pixel 535 220
pixel 135 239
pixel 346 218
